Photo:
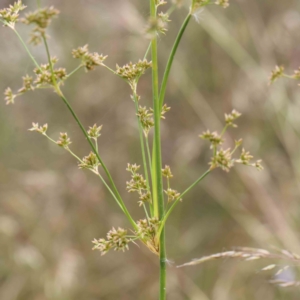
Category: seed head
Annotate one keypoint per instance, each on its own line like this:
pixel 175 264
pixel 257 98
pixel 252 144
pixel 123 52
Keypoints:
pixel 196 4
pixel 89 60
pixel 116 239
pixel 172 195
pixel 276 73
pixel 41 18
pixel 245 158
pixel 229 118
pixel 297 74
pixel 164 110
pixel 44 76
pixel 9 96
pixel 27 84
pixel 132 72
pixel 132 168
pixel 90 162
pixel 146 119
pixel 213 137
pixel 63 141
pixel 94 131
pixel 156 25
pixel 10 15
pixel 223 3
pixel 147 228
pixel 40 129
pixel 166 172
pixel 144 198
pixel 222 159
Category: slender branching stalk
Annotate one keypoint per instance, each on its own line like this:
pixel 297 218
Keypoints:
pixel 149 186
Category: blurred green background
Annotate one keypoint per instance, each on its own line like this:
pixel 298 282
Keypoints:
pixel 50 211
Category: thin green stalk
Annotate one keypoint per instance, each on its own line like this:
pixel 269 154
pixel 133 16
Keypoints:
pixel 96 144
pixel 110 190
pixel 38 2
pixel 177 200
pixel 170 60
pixel 122 205
pixel 157 176
pixel 147 51
pixel 148 153
pixel 26 48
pixel 59 92
pixel 142 146
pixel 141 141
pixel 74 71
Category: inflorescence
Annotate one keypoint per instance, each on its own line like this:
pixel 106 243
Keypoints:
pixel 278 72
pixel 41 18
pixel 224 158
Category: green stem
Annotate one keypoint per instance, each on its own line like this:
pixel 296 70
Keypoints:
pixel 142 145
pixel 170 60
pixel 26 48
pixel 74 71
pixel 59 92
pixel 120 201
pixel 162 225
pixel 147 51
pixel 148 153
pixel 156 175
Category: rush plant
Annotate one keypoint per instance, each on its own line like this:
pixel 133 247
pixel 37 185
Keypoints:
pixel 151 182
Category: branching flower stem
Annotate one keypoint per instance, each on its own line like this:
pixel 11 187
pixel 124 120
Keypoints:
pixel 74 71
pixel 59 92
pixel 163 222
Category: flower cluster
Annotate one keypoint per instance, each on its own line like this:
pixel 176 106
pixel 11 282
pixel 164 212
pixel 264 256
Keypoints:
pixel 164 110
pixel 223 158
pixel 214 138
pixel 9 96
pixel 172 195
pixel 196 4
pixel 88 59
pixel 230 118
pixel 166 172
pixel 64 141
pixel 245 159
pixel 276 73
pixel 138 184
pixel 132 72
pixel 27 84
pixel 41 18
pixel 158 24
pixel 116 239
pixel 223 3
pixel 147 229
pixel 161 2
pixel 10 15
pixel 94 131
pixel 296 74
pixel 40 129
pixel 90 162
pixel 44 75
pixel 146 119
